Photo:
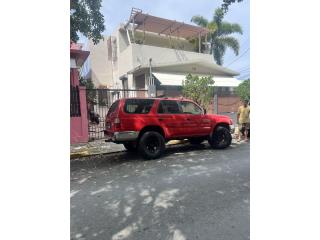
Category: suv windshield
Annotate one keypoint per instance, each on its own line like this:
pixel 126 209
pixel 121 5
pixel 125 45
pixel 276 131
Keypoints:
pixel 138 106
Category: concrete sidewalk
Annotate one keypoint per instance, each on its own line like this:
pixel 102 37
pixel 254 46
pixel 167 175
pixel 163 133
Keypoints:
pixel 101 147
pixel 94 148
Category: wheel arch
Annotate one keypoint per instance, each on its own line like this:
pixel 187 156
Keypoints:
pixel 155 128
pixel 220 124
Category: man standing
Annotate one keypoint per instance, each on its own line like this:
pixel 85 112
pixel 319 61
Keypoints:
pixel 244 119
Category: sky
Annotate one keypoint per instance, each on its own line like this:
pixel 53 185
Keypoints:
pixel 117 11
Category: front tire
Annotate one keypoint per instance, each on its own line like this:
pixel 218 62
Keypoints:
pixel 221 138
pixel 130 146
pixel 151 145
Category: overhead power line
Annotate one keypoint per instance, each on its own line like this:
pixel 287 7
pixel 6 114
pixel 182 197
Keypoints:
pixel 236 59
pixel 243 70
pixel 245 76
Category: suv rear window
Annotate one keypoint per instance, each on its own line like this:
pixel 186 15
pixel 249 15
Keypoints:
pixel 138 106
pixel 113 107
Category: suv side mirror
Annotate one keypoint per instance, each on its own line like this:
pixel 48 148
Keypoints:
pixel 204 111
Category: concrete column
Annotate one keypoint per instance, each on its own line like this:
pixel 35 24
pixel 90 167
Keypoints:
pixel 215 101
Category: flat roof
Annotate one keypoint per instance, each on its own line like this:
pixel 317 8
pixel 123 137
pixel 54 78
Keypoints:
pixel 79 55
pixel 149 23
pixel 199 67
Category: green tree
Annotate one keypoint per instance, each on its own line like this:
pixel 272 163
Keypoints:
pixel 219 37
pixel 226 3
pixel 243 90
pixel 198 89
pixel 85 17
pixel 90 90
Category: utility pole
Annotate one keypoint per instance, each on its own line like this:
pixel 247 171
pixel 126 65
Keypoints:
pixel 215 100
pixel 151 85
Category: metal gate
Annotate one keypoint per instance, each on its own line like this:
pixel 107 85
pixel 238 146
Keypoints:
pixel 98 104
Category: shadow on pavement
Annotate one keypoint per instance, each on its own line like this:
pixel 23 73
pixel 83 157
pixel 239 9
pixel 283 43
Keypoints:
pixel 122 157
pixel 147 204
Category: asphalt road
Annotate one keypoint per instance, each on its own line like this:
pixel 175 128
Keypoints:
pixel 190 193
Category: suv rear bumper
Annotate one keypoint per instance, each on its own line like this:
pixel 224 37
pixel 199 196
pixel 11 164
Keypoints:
pixel 122 136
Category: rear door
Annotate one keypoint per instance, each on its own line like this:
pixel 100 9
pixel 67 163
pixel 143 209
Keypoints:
pixel 170 116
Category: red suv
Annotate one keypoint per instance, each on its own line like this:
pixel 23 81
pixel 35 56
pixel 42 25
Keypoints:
pixel 146 124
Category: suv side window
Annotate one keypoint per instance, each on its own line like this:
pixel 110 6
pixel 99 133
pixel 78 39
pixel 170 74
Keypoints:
pixel 113 107
pixel 169 107
pixel 190 108
pixel 138 106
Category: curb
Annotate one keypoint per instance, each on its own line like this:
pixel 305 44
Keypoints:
pixel 86 153
pixel 75 156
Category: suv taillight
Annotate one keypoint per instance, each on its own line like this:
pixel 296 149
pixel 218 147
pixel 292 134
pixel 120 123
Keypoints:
pixel 117 122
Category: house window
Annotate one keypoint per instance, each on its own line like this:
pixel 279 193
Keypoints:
pixel 125 83
pixel 74 102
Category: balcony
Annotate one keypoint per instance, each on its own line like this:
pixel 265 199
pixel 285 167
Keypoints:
pixel 142 53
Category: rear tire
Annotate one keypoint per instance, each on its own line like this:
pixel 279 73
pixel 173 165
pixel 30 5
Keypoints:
pixel 221 138
pixel 151 145
pixel 130 146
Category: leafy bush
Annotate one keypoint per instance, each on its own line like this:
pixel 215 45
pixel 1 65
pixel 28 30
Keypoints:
pixel 243 90
pixel 199 89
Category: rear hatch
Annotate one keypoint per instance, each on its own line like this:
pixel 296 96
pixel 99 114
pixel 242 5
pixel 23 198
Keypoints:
pixel 112 119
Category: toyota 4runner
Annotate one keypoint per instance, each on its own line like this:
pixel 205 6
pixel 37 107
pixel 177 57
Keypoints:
pixel 146 124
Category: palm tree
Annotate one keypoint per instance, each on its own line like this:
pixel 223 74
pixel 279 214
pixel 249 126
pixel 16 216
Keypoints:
pixel 219 37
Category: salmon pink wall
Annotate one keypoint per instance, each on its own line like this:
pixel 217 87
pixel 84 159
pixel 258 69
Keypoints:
pixel 79 125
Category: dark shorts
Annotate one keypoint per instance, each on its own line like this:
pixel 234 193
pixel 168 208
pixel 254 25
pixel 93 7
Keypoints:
pixel 245 126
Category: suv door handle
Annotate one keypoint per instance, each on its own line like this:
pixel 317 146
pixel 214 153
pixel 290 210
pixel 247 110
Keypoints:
pixel 161 119
pixel 188 119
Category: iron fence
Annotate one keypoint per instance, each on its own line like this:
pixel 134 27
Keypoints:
pixel 74 102
pixel 98 104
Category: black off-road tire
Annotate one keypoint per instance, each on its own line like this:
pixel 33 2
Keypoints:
pixel 130 146
pixel 196 141
pixel 221 138
pixel 151 145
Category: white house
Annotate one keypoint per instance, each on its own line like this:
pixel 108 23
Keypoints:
pixel 122 60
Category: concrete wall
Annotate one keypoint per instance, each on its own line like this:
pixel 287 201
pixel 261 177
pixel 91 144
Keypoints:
pixel 101 68
pixel 142 53
pixel 79 125
pixel 125 61
pixel 123 40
